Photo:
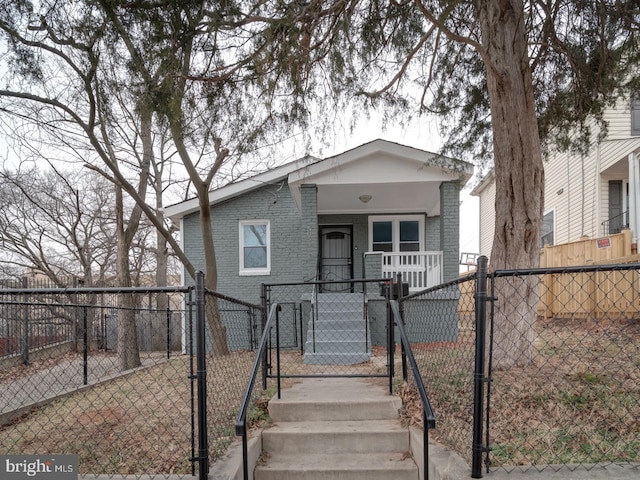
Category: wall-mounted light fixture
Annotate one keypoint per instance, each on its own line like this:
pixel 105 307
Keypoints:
pixel 365 198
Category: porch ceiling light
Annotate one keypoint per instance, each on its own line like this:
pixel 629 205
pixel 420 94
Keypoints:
pixel 365 198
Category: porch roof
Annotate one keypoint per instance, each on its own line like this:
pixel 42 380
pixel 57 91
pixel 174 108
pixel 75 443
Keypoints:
pixel 379 176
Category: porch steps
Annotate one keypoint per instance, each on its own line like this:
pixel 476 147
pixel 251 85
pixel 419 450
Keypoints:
pixel 339 334
pixel 336 428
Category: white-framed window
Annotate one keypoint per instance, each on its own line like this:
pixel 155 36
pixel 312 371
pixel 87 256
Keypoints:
pixel 548 228
pixel 399 233
pixel 255 247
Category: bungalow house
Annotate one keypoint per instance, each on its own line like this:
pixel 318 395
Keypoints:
pixel 592 201
pixel 371 212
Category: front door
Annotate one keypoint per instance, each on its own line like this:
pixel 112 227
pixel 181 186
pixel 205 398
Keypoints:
pixel 336 257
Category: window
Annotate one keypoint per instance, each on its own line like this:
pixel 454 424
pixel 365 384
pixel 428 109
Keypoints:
pixel 255 248
pixel 409 236
pixel 635 114
pixel 396 234
pixel 548 222
pixel 382 237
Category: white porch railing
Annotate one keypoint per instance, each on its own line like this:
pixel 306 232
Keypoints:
pixel 419 269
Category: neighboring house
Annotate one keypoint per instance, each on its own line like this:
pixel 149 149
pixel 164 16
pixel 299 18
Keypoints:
pixel 373 211
pixel 590 196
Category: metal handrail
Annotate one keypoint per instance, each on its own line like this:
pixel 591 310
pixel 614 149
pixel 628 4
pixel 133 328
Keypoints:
pixel 607 223
pixel 428 417
pixel 241 419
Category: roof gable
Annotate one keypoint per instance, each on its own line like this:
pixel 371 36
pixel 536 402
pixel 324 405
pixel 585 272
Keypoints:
pixel 376 165
pixel 241 187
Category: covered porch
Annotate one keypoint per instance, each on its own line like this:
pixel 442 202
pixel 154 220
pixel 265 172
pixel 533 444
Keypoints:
pixel 383 209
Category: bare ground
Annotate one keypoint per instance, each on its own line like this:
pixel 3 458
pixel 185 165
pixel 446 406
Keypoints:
pixel 577 402
pixel 134 424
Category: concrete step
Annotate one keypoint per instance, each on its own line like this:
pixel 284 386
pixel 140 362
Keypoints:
pixel 340 314
pixel 390 466
pixel 331 335
pixel 346 436
pixel 340 303
pixel 337 324
pixel 340 297
pixel 328 399
pixel 336 429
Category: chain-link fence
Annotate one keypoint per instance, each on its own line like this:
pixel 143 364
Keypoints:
pixel 142 383
pixel 564 367
pixel 121 390
pixel 227 375
pixel 440 323
pixel 551 378
pixel 330 328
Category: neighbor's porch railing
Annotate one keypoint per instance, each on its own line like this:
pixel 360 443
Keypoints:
pixel 419 269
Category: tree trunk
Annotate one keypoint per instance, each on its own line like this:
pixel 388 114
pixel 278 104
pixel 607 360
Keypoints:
pixel 128 354
pixel 519 176
pixel 162 252
pixel 217 329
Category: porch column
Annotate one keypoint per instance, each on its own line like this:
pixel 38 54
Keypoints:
pixel 634 198
pixel 309 231
pixel 450 228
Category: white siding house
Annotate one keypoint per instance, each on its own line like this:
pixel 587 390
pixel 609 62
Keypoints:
pixel 586 196
pixel 486 191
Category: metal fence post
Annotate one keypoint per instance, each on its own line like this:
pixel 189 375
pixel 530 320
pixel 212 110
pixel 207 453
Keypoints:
pixel 169 317
pixel 25 326
pixel 85 346
pixel 391 341
pixel 203 447
pixel 403 353
pixel 479 372
pixel 263 318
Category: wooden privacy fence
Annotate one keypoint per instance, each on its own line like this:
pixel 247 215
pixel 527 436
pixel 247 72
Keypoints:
pixel 590 294
pixel 582 295
pixel 589 251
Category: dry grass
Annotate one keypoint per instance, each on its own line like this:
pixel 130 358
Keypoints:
pixel 577 402
pixel 140 423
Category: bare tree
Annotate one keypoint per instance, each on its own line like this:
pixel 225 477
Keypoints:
pixel 58 223
pixel 123 73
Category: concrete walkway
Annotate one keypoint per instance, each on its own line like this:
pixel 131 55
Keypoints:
pixel 48 383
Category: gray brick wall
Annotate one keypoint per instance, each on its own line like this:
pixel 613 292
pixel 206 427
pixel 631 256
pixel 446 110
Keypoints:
pixel 307 235
pixel 293 238
pixel 450 228
pixel 432 234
